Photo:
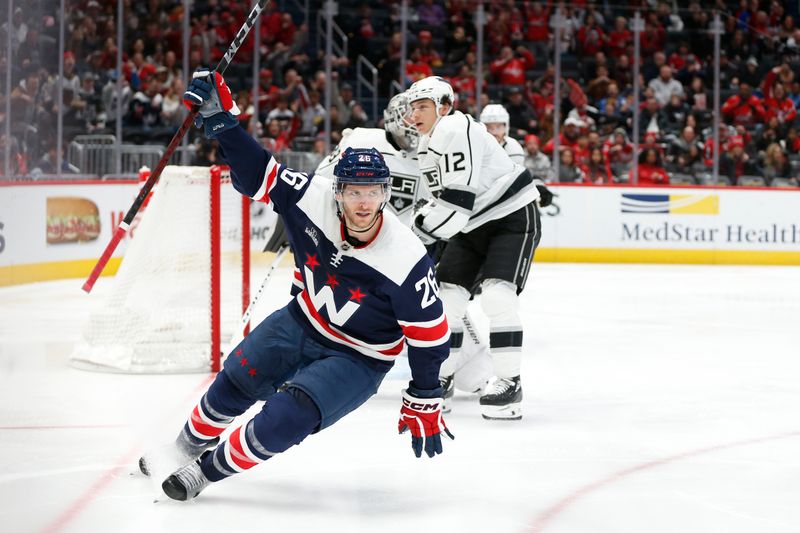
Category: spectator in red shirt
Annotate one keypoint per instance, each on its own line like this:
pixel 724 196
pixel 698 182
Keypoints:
pixel 743 108
pixel 776 103
pixel 537 17
pixel 725 133
pixel 287 30
pixel 618 153
pixel 268 92
pixel 651 172
pixel 619 38
pixel 464 81
pixel 567 138
pixel 270 24
pixel 653 37
pixel 582 152
pixel 682 59
pixel 427 54
pixel 416 69
pixel 735 163
pixel 510 67
pixel 597 171
pixel 591 37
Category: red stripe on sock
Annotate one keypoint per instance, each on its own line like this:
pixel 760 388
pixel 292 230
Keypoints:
pixel 237 451
pixel 201 427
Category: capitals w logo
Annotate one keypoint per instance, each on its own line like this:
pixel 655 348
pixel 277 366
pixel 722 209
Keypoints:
pixel 324 298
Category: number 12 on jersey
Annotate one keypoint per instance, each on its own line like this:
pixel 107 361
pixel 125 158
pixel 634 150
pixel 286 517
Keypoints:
pixel 457 159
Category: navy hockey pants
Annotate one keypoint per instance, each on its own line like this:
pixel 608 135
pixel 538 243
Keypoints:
pixel 279 354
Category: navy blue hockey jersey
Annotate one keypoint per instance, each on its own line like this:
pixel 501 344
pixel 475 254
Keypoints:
pixel 369 300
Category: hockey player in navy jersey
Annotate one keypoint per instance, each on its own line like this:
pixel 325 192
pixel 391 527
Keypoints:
pixel 485 206
pixel 397 142
pixel 364 287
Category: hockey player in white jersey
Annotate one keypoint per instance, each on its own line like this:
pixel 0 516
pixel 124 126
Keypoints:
pixel 496 119
pixel 484 204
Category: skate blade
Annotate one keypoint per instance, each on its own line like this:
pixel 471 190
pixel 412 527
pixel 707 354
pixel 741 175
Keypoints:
pixel 502 412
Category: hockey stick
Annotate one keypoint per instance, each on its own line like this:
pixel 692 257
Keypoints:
pixel 282 251
pixel 125 224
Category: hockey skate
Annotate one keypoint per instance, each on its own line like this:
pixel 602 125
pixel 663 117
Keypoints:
pixel 448 389
pixel 503 400
pixel 179 453
pixel 186 482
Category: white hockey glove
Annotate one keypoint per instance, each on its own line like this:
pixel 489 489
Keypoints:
pixel 218 111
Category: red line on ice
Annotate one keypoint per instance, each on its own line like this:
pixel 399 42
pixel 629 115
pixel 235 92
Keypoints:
pixel 547 516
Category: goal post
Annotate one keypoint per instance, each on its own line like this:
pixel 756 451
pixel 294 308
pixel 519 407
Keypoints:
pixel 183 283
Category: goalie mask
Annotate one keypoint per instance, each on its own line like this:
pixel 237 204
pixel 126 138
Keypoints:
pixel 361 166
pixel 404 134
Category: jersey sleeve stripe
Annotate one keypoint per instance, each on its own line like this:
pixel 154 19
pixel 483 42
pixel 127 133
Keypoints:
pixel 428 344
pixel 426 324
pixel 437 333
pixel 262 195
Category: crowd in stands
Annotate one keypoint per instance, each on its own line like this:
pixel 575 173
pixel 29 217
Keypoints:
pixel 759 77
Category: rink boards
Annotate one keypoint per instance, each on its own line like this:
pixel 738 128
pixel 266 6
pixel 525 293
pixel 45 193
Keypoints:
pixel 692 225
pixel 58 230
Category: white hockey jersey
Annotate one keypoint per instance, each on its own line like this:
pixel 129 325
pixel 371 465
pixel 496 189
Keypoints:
pixel 402 164
pixel 514 150
pixel 474 179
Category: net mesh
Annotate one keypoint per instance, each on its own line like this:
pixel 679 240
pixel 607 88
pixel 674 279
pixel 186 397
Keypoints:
pixel 157 318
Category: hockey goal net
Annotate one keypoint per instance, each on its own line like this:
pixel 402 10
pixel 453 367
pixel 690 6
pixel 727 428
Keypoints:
pixel 178 296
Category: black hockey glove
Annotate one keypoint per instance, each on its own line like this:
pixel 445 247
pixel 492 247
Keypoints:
pixel 421 210
pixel 278 237
pixel 426 237
pixel 545 196
pixel 218 111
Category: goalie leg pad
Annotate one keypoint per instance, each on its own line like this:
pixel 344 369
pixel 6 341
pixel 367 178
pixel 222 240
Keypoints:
pixel 500 302
pixel 456 300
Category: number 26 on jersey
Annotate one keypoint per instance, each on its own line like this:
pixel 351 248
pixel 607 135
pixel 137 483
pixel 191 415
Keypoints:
pixel 429 288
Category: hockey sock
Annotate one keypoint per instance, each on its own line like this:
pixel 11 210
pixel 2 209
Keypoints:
pixel 215 412
pixel 501 305
pixel 287 418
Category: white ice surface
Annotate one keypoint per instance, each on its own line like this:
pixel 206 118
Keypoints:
pixel 658 399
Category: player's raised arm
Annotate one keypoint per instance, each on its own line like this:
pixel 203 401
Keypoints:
pixel 254 171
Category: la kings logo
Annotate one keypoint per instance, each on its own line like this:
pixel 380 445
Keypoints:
pixel 432 179
pixel 404 190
